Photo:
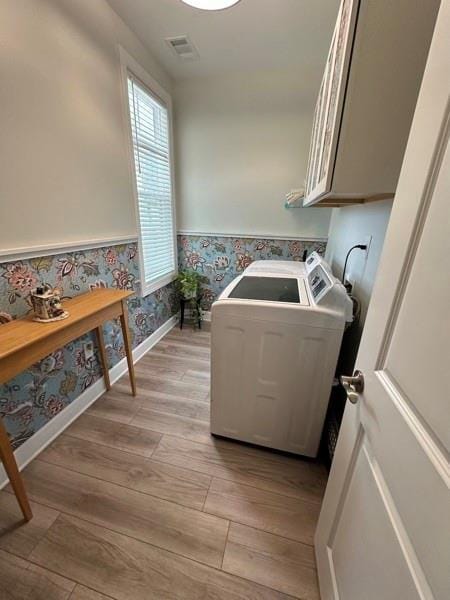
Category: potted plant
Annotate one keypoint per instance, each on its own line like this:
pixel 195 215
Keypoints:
pixel 188 285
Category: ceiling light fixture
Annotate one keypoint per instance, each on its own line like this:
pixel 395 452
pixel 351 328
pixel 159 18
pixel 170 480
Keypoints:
pixel 211 4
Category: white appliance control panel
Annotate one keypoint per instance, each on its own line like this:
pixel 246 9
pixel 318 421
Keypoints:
pixel 319 283
pixel 312 261
pixel 324 288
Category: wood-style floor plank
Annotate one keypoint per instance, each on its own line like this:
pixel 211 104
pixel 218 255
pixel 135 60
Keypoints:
pixel 178 389
pixel 114 434
pixel 252 466
pixel 288 517
pixel 20 580
pixel 167 372
pixel 197 377
pixel 164 481
pixel 16 535
pixel 13 582
pixel 159 359
pixel 173 405
pixel 126 569
pixel 184 375
pixel 190 429
pixel 115 407
pixel 83 593
pixel 49 585
pixel 271 560
pixel 190 337
pixel 180 348
pixel 167 525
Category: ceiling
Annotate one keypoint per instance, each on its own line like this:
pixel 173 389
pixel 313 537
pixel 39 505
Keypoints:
pixel 252 35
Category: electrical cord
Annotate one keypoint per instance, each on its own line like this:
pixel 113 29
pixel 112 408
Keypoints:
pixel 360 247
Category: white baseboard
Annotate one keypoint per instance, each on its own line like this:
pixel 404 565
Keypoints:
pixel 42 438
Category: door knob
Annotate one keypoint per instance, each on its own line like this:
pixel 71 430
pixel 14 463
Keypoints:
pixel 353 385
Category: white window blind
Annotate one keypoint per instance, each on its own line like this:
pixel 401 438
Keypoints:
pixel 151 144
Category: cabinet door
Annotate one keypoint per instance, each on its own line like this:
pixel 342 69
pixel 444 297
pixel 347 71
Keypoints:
pixel 327 80
pixel 311 174
pixel 329 105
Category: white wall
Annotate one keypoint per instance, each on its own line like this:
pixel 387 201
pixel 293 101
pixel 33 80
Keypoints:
pixel 349 226
pixel 242 142
pixel 64 170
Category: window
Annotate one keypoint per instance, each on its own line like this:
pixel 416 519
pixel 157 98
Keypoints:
pixel 149 120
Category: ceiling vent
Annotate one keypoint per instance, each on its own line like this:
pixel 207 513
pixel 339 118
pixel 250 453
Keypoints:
pixel 183 47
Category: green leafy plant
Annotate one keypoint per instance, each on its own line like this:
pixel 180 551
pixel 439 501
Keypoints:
pixel 188 284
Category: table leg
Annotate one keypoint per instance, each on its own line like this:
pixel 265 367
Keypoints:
pixel 9 462
pixel 127 342
pixel 103 356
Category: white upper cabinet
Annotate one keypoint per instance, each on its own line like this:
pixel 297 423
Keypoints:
pixel 366 100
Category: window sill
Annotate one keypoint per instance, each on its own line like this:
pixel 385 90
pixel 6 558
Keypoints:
pixel 150 287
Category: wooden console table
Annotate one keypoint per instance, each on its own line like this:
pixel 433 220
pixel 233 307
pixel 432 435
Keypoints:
pixel 24 342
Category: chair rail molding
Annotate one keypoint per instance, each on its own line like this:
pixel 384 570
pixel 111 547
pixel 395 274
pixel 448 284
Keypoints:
pixel 14 254
pixel 256 236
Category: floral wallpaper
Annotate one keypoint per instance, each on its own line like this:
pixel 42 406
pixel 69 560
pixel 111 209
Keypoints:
pixel 31 399
pixel 222 258
pixel 34 397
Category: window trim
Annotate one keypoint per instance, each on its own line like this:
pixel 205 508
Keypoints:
pixel 128 65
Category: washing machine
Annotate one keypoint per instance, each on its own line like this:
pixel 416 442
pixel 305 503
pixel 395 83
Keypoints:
pixel 276 332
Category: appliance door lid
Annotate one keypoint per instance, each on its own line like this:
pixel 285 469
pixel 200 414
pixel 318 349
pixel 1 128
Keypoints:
pixel 271 289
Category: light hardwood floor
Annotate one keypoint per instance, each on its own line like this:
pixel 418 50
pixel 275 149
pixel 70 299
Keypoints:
pixel 136 501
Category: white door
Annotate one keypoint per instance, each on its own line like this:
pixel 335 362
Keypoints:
pixel 384 528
